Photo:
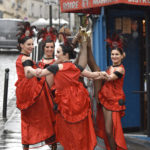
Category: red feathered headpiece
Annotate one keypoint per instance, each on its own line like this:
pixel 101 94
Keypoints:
pixel 25 30
pixel 115 41
pixel 45 33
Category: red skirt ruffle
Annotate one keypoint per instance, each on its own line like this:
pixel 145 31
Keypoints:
pixel 37 116
pixel 73 103
pixel 109 98
pixel 117 129
pixel 37 122
pixel 28 91
pixel 76 136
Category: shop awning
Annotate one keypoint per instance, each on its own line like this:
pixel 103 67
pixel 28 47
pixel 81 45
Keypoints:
pixel 93 6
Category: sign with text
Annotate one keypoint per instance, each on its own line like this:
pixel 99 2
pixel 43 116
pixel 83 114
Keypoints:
pixel 76 5
pixel 50 2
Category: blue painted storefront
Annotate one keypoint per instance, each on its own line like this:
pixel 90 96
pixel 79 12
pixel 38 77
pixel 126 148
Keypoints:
pixel 131 62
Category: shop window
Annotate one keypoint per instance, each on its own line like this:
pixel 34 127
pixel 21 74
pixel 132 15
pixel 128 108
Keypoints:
pixel 123 25
pixel 126 25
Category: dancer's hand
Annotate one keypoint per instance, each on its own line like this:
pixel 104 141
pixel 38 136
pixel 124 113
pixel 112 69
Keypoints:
pixel 38 72
pixel 101 75
pixel 97 75
pixel 76 38
pixel 104 75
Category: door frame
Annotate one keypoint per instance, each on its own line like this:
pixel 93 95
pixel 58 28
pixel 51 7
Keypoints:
pixel 142 15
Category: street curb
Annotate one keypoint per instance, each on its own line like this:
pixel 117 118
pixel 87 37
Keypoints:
pixel 142 143
pixel 141 140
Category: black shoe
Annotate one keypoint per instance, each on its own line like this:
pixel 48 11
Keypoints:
pixel 25 147
pixel 54 146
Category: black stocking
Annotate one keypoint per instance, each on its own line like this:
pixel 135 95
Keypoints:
pixel 93 66
pixel 25 147
pixel 109 128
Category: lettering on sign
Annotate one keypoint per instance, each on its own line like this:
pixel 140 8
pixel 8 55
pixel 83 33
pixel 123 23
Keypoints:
pixel 139 1
pixel 50 2
pixel 85 3
pixel 95 2
pixel 70 5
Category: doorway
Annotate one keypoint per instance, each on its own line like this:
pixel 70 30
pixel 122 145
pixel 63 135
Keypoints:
pixel 132 29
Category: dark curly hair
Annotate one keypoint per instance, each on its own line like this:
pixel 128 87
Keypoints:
pixel 22 41
pixel 43 44
pixel 67 48
pixel 118 49
pixel 47 41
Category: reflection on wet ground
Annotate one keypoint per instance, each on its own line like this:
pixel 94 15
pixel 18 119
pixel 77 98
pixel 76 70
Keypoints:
pixel 12 141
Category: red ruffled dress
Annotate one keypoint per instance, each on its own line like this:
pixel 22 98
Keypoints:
pixel 109 96
pixel 74 126
pixel 37 117
pixel 43 65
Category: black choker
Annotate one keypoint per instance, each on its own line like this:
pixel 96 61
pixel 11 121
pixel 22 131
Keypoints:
pixel 116 65
pixel 25 54
pixel 48 58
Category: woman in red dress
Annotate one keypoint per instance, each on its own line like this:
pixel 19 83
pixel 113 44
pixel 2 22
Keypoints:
pixel 48 38
pixel 48 46
pixel 74 126
pixel 112 99
pixel 33 99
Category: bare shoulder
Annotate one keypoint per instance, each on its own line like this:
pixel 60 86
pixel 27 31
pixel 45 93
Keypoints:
pixel 120 69
pixel 60 66
pixel 24 58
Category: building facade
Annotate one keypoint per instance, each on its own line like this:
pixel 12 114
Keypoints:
pixel 31 10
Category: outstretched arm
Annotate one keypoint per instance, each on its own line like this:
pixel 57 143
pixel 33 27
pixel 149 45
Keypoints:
pixel 49 72
pixel 94 75
pixel 42 72
pixel 89 74
pixel 28 70
pixel 118 73
pixel 52 69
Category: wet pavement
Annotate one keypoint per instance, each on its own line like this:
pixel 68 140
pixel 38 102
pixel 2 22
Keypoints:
pixel 10 137
pixel 10 134
pixel 138 142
